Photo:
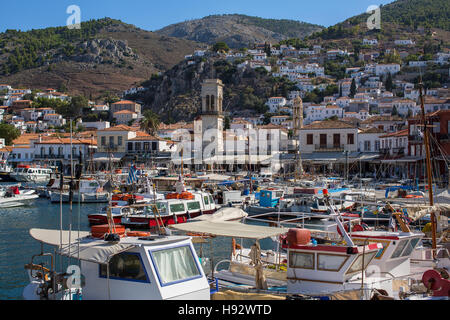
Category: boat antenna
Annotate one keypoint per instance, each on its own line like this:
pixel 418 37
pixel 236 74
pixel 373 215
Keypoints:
pixel 428 165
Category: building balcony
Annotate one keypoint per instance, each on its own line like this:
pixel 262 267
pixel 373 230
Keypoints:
pixel 415 139
pixel 50 156
pixel 329 148
pixel 399 151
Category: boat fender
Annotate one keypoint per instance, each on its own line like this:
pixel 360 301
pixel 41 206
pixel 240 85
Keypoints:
pixel 434 281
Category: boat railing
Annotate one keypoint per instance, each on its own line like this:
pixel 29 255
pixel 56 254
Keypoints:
pixel 239 255
pixel 217 265
pixel 300 216
pixel 430 253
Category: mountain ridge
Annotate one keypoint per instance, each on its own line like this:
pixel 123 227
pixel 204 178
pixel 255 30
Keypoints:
pixel 238 30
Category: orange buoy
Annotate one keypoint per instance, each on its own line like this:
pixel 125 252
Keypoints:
pixel 138 234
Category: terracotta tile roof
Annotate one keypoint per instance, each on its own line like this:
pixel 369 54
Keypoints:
pixel 6 149
pixel 124 102
pixel 371 130
pixel 57 140
pixel 125 112
pixel 240 122
pixel 434 101
pixel 25 138
pixel 401 133
pixel 120 127
pixel 329 124
pixel 382 118
pixel 146 137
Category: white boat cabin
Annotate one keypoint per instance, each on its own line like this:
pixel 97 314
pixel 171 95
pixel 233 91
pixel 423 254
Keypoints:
pixel 395 256
pixel 26 173
pixel 206 200
pixel 322 269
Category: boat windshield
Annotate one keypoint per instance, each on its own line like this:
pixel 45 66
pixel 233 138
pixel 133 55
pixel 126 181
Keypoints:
pixel 177 207
pixel 278 194
pixel 162 207
pixel 175 265
pixel 194 205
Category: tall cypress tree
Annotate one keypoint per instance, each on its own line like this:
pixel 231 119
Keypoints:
pixel 353 88
pixel 389 84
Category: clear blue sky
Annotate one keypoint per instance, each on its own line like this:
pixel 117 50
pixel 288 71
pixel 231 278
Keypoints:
pixel 155 14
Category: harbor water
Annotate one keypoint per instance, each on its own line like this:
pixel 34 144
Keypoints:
pixel 17 246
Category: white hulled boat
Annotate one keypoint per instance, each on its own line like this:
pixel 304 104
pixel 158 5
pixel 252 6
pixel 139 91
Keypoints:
pixel 14 197
pixel 89 191
pixel 27 173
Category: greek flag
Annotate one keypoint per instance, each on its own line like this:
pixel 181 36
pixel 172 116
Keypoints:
pixel 132 177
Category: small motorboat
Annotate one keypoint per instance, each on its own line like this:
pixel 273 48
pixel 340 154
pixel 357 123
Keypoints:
pixel 14 197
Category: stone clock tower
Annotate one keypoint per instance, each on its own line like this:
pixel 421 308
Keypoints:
pixel 212 115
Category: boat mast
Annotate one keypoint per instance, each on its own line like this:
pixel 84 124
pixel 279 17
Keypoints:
pixel 297 126
pixel 429 172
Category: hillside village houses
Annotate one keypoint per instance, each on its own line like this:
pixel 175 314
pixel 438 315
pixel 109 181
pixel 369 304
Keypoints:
pixel 366 126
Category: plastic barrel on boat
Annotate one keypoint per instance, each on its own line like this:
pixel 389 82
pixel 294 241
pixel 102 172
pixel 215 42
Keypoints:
pixel 298 237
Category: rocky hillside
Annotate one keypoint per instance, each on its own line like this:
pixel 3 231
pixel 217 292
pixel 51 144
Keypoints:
pixel 239 30
pixel 419 20
pixel 104 56
pixel 175 95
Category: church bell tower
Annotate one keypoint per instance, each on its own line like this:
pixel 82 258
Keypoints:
pixel 212 115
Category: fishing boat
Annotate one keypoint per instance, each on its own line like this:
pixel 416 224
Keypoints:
pixel 5 171
pixel 27 173
pixel 14 197
pixel 366 265
pixel 269 199
pixel 162 213
pixel 88 191
pixel 117 213
pixel 133 266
